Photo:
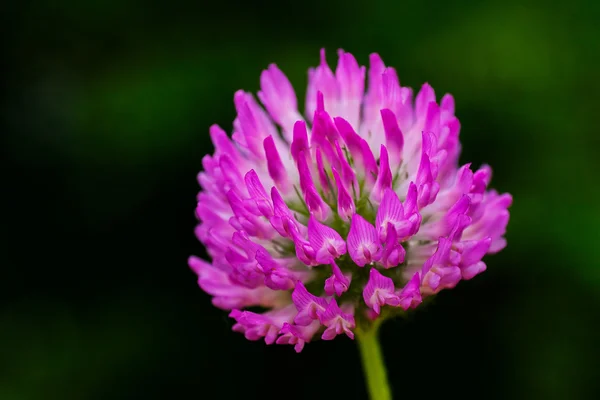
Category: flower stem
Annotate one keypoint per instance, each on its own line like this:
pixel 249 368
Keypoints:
pixel 373 364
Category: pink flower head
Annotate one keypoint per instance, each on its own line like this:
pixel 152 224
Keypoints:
pixel 357 205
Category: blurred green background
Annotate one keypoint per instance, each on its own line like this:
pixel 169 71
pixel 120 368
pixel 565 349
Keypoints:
pixel 106 114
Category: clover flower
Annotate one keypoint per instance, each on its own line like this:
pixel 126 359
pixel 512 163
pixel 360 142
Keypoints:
pixel 337 219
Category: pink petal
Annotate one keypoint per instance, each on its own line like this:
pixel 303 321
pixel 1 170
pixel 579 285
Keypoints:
pixel 275 166
pixel 393 253
pixel 346 207
pixel 384 178
pixel 390 211
pixel 337 283
pixel 363 242
pixel 327 243
pixel 394 140
pixel 321 79
pixel 278 96
pixel 410 295
pixel 336 321
pixel 257 193
pixel 308 306
pixel 379 291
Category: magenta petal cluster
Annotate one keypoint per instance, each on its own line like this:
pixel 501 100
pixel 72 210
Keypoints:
pixel 353 211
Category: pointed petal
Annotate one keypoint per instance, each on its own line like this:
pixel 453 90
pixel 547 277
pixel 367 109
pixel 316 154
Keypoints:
pixel 257 193
pixel 425 96
pixel 300 140
pixel 346 207
pixel 472 251
pixel 432 118
pixel 379 291
pixel 347 172
pixel 297 335
pixel 276 276
pixel 425 180
pixel 363 243
pixel 394 140
pixel 351 82
pixel 336 321
pixel 278 97
pixel 308 305
pixel 321 79
pixel 391 91
pixel 314 202
pixel 410 202
pixel 373 98
pixel 447 103
pixel 277 170
pixel 327 243
pixel 337 283
pixel 323 129
pixel 384 178
pixel 252 123
pixel 223 144
pixel 323 177
pixel 282 220
pixel 390 211
pixel 227 294
pixel 410 295
pixel 393 252
pixel 359 150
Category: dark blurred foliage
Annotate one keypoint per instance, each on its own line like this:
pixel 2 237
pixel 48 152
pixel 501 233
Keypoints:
pixel 105 119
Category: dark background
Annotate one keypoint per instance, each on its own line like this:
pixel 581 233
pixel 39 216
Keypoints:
pixel 106 115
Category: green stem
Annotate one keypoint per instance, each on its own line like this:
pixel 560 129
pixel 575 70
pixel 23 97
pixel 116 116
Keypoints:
pixel 373 364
